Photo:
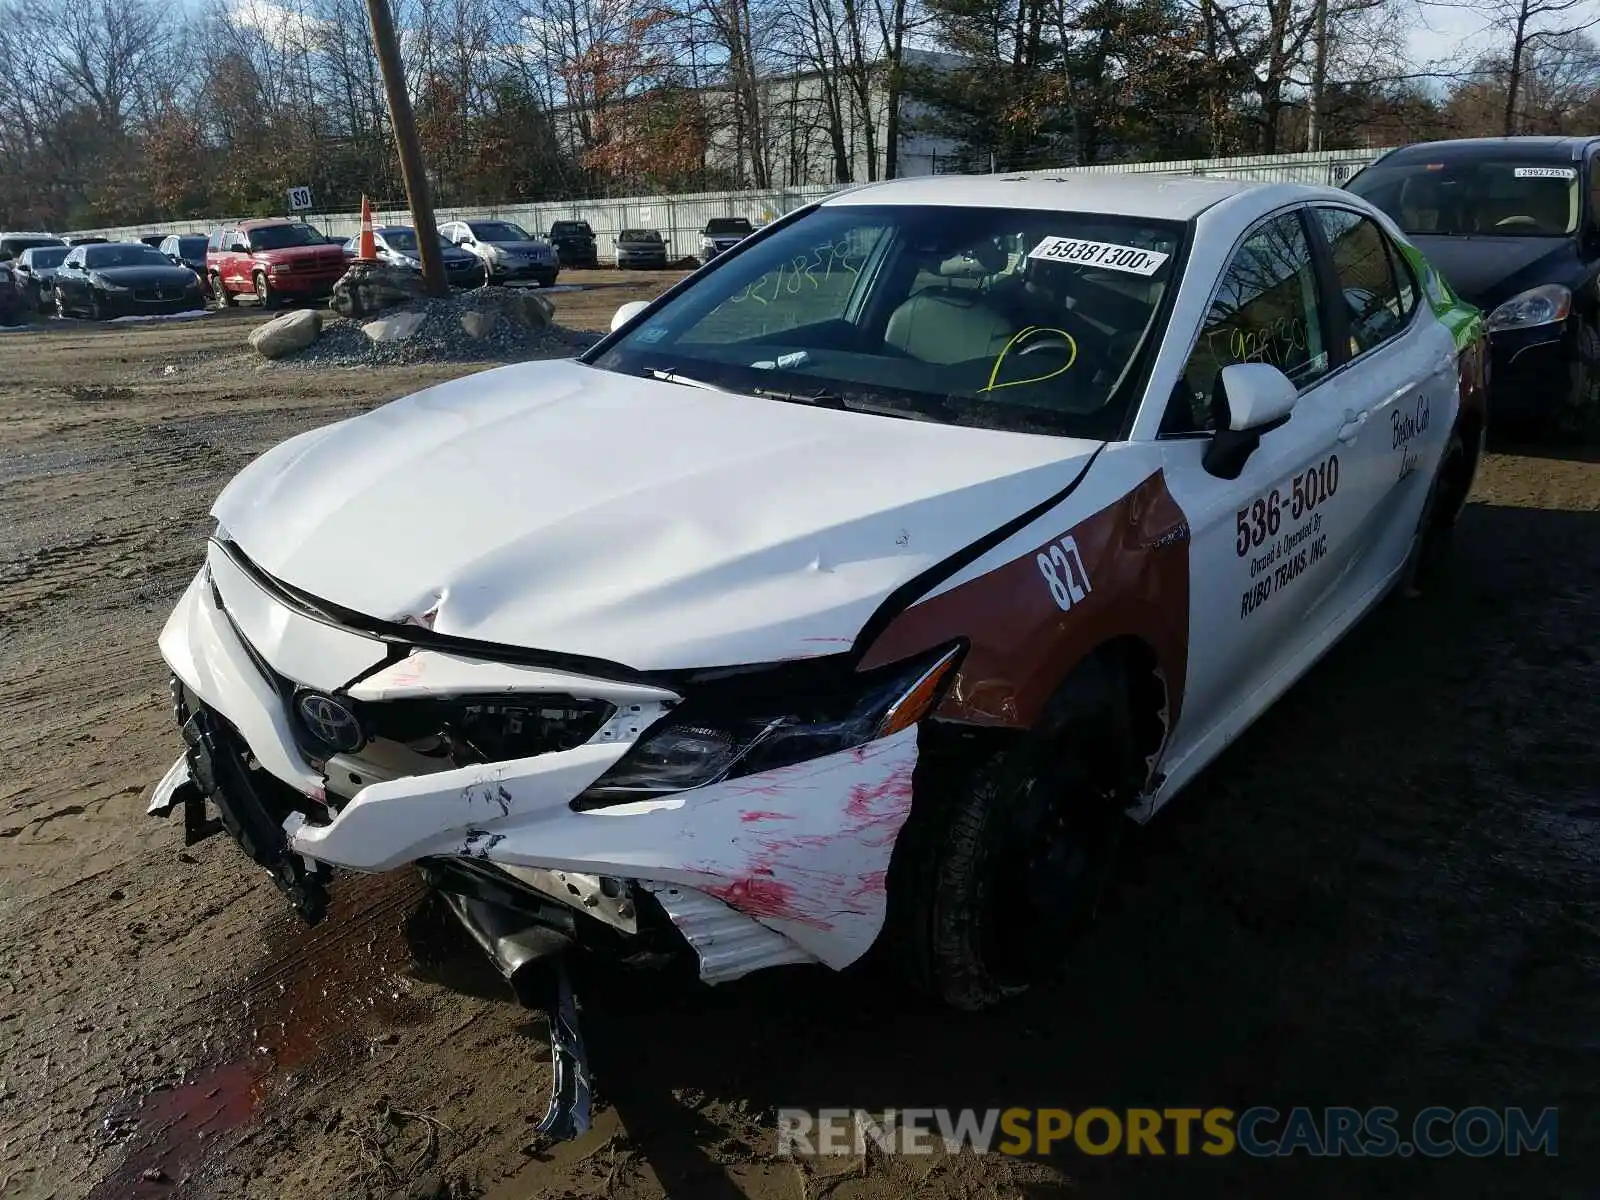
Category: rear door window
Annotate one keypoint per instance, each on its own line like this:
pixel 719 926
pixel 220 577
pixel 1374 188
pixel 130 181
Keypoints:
pixel 1379 293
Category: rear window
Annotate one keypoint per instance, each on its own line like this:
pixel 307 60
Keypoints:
pixel 47 256
pixel 569 228
pixel 191 247
pixel 1465 197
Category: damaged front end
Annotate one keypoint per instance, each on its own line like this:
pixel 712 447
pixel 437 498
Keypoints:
pixel 745 817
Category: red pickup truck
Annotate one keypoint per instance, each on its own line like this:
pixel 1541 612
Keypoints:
pixel 271 259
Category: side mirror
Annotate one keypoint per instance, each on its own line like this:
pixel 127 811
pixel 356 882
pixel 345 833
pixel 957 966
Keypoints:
pixel 1252 399
pixel 627 312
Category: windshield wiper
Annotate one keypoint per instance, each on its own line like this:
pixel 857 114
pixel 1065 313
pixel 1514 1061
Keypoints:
pixel 822 398
pixel 674 377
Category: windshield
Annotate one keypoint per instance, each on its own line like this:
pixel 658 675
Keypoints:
pixel 1461 198
pixel 281 237
pixel 1006 318
pixel 727 225
pixel 569 228
pixel 46 256
pixel 403 240
pixel 638 235
pixel 192 247
pixel 500 231
pixel 133 254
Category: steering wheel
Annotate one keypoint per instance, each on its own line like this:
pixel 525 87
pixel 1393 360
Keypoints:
pixel 1517 221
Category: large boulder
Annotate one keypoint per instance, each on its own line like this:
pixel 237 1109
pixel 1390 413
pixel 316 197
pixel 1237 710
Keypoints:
pixel 286 334
pixel 368 288
pixel 479 324
pixel 396 328
pixel 527 307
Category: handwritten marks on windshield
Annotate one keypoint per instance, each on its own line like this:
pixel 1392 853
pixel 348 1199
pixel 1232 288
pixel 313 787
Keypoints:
pixel 843 258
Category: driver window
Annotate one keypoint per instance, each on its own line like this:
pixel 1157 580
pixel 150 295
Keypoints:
pixel 1265 310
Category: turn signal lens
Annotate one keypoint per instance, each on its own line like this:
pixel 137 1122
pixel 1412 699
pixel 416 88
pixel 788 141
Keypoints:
pixel 921 696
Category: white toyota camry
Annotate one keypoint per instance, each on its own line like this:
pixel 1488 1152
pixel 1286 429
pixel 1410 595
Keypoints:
pixel 858 587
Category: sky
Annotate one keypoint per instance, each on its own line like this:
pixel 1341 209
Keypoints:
pixel 1446 33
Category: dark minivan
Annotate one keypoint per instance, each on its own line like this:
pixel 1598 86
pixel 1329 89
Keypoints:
pixel 1514 225
pixel 574 243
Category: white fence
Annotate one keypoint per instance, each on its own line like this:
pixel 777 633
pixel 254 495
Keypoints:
pixel 680 218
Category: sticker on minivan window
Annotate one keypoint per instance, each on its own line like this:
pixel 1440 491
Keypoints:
pixel 1545 173
pixel 1080 252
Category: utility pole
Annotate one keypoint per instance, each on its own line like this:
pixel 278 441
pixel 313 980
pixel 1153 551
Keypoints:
pixel 1319 81
pixel 404 121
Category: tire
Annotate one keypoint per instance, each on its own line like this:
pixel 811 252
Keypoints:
pixel 265 296
pixel 97 308
pixel 998 873
pixel 1577 415
pixel 1446 494
pixel 225 298
pixel 61 305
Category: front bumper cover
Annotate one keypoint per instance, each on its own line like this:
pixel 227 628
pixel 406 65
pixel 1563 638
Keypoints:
pixel 790 865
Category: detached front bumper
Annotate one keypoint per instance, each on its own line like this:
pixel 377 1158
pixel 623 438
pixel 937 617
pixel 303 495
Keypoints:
pixel 785 866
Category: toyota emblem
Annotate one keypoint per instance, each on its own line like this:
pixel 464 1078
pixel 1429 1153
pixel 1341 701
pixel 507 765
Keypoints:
pixel 331 722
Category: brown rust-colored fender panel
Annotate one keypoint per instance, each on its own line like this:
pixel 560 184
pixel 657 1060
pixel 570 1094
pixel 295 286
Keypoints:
pixel 1124 571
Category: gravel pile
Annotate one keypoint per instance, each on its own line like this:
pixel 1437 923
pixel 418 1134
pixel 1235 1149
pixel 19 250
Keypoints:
pixel 441 337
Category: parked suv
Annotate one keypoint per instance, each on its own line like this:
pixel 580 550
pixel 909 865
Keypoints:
pixel 574 243
pixel 509 251
pixel 13 244
pixel 722 234
pixel 271 259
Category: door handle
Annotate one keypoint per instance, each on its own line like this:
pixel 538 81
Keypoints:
pixel 1353 422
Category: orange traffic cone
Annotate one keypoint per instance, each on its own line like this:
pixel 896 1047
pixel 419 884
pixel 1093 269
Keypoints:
pixel 367 247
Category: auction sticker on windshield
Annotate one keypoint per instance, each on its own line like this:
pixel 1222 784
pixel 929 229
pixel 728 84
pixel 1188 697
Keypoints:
pixel 1545 173
pixel 1099 254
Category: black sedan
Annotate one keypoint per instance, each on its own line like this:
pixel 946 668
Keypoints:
pixel 35 270
pixel 119 279
pixel 1513 225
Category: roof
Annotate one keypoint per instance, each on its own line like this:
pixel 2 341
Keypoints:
pixel 1160 197
pixel 1543 147
pixel 262 222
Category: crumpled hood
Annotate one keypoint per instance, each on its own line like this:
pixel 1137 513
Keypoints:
pixel 556 506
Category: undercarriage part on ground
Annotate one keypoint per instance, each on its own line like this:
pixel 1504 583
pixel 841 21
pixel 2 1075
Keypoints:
pixel 532 957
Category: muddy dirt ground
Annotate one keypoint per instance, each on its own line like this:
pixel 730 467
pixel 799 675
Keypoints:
pixel 1387 892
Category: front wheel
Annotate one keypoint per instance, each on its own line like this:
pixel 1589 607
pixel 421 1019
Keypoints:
pixel 61 305
pixel 266 295
pixel 97 306
pixel 1000 874
pixel 224 296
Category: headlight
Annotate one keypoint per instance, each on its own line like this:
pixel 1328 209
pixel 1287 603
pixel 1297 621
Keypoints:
pixel 105 285
pixel 770 719
pixel 1537 306
pixel 707 244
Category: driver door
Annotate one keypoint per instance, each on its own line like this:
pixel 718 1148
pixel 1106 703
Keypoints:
pixel 1259 543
